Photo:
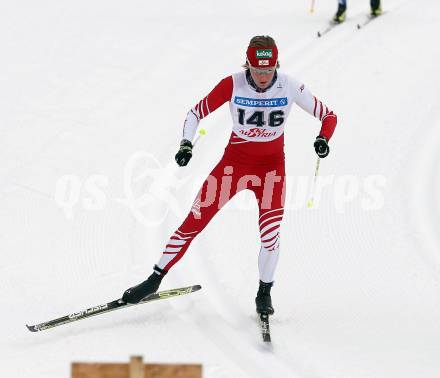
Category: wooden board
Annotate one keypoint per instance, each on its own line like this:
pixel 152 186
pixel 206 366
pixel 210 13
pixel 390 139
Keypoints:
pixel 136 369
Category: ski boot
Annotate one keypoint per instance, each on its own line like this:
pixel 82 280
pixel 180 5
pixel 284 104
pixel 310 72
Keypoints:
pixel 263 299
pixel 340 14
pixel 376 10
pixel 136 293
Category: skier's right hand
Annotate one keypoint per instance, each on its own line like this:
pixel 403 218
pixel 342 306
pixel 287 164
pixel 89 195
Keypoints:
pixel 184 154
pixel 321 146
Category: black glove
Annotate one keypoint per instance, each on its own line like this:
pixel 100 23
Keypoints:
pixel 321 146
pixel 185 153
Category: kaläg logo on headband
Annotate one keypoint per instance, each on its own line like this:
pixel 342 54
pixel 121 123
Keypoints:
pixel 264 53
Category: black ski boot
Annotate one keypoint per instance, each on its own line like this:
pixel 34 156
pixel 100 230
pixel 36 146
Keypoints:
pixel 340 14
pixel 376 10
pixel 263 299
pixel 136 293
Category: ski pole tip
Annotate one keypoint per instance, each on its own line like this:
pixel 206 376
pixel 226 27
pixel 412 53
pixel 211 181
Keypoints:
pixel 31 328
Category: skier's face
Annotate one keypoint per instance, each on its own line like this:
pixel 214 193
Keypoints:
pixel 262 76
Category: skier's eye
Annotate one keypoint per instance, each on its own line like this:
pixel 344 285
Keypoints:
pixel 260 71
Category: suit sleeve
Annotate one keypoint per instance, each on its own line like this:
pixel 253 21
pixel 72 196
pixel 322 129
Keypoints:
pixel 221 93
pixel 306 101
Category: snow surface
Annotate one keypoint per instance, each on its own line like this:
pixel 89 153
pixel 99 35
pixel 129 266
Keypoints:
pixel 99 90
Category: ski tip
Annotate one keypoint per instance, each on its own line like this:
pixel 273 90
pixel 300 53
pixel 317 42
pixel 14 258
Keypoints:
pixel 31 328
pixel 197 287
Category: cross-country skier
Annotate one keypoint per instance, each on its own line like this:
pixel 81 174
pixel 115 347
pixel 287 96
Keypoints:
pixel 260 99
pixel 339 17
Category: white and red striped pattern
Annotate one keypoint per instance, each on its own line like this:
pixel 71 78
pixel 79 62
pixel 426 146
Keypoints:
pixel 201 110
pixel 270 223
pixel 320 110
pixel 175 248
pixel 178 241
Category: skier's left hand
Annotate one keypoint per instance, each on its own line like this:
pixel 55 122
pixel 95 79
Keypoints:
pixel 184 154
pixel 321 146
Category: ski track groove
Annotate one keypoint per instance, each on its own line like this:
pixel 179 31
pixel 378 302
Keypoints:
pixel 422 211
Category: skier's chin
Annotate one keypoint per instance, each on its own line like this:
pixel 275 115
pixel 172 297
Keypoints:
pixel 263 85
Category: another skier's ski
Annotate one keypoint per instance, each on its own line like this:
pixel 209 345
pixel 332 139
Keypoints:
pixel 328 29
pixel 264 327
pixel 367 20
pixel 110 306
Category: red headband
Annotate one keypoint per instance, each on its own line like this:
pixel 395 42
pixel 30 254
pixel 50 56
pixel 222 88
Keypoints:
pixel 261 57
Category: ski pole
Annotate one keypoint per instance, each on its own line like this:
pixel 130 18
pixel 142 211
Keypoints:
pixel 310 201
pixel 202 132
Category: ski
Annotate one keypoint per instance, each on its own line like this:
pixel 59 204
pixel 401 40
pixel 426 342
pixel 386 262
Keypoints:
pixel 367 20
pixel 110 306
pixel 328 29
pixel 264 327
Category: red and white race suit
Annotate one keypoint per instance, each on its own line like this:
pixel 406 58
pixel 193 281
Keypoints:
pixel 253 159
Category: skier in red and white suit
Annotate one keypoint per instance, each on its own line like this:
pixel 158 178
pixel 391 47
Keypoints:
pixel 260 99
